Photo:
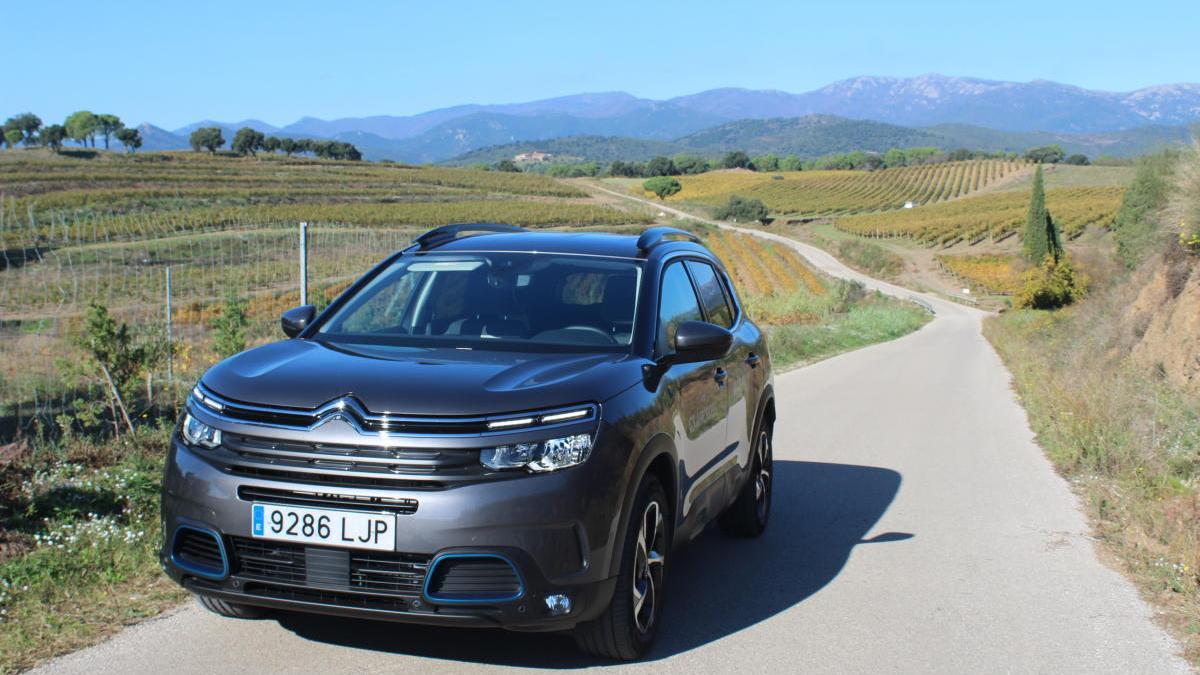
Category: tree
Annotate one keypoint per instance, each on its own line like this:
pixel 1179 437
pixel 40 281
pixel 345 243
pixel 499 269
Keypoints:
pixel 740 209
pixel 247 141
pixel 28 124
pixel 791 163
pixel 207 138
pixel 229 328
pixel 663 186
pixel 108 125
pixel 1077 160
pixel 1034 242
pixel 1041 238
pixel 689 165
pixel 661 166
pixel 766 163
pixel 81 127
pixel 508 165
pixel 52 136
pixel 12 137
pixel 289 146
pixel 130 138
pixel 271 144
pixel 1046 154
pixel 736 160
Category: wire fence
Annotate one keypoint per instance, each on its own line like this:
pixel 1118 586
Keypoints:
pixel 50 274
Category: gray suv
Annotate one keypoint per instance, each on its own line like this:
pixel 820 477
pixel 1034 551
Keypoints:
pixel 493 427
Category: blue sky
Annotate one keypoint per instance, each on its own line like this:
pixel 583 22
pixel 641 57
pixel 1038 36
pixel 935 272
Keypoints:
pixel 172 63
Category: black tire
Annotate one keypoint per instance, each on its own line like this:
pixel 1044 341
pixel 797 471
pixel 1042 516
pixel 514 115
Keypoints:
pixel 231 610
pixel 621 632
pixel 749 514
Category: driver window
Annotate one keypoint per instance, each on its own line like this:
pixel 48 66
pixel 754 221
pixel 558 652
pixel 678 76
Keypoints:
pixel 677 303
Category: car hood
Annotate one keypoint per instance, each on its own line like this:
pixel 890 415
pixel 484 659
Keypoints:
pixel 419 381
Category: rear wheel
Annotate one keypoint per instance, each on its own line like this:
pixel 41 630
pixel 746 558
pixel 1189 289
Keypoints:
pixel 627 628
pixel 748 515
pixel 232 610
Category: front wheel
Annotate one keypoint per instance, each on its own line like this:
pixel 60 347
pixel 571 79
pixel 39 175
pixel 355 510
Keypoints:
pixel 748 515
pixel 627 628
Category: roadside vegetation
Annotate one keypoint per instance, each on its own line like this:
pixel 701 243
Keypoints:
pixel 1108 387
pixel 808 316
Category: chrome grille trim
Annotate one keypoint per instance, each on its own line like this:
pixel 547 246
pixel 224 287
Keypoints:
pixel 385 424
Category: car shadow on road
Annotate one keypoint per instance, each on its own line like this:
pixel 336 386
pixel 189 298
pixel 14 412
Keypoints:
pixel 718 585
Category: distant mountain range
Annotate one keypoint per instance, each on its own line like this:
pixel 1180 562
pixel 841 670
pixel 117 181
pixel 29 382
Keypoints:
pixel 817 135
pixel 996 115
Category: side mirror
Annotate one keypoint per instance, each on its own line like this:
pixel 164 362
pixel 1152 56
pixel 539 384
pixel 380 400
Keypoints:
pixel 700 341
pixel 297 319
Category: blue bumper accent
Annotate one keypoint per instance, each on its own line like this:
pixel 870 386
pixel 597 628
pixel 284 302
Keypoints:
pixel 482 599
pixel 204 572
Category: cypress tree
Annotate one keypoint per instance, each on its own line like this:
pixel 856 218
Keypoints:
pixel 1036 241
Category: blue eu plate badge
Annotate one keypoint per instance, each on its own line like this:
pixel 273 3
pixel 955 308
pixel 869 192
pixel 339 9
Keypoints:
pixel 258 520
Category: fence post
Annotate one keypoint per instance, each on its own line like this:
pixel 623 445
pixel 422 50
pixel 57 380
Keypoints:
pixel 170 343
pixel 303 263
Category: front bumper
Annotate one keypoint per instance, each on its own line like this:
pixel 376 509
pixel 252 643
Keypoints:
pixel 556 530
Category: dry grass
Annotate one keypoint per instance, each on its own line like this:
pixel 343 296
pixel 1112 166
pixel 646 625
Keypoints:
pixel 1127 440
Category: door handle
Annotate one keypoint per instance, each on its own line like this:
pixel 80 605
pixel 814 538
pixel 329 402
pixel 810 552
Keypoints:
pixel 720 376
pixel 753 359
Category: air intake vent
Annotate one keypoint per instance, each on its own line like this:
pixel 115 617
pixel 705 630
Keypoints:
pixel 473 579
pixel 199 552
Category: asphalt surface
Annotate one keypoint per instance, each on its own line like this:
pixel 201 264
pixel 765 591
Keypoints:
pixel 916 528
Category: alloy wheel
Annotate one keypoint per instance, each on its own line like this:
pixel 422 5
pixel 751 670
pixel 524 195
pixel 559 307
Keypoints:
pixel 762 480
pixel 649 556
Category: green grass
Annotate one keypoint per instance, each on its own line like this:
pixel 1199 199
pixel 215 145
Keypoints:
pixel 864 322
pixel 87 519
pixel 867 256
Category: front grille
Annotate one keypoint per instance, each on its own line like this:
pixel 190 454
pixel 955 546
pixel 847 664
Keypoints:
pixel 327 568
pixel 398 505
pixel 199 550
pixel 391 573
pixel 332 478
pixel 274 561
pixel 482 578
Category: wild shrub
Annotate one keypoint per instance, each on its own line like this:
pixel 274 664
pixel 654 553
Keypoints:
pixel 1053 284
pixel 229 327
pixel 662 186
pixel 741 209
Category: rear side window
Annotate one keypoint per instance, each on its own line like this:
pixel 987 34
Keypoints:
pixel 677 303
pixel 712 293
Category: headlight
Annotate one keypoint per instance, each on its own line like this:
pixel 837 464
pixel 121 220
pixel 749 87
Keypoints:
pixel 556 453
pixel 198 433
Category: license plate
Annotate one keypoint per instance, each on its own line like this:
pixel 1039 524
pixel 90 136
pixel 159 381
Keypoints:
pixel 348 529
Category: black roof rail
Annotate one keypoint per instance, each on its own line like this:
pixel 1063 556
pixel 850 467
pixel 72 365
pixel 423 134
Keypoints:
pixel 656 235
pixel 446 233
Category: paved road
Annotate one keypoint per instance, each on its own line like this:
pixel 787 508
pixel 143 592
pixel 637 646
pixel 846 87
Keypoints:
pixel 917 528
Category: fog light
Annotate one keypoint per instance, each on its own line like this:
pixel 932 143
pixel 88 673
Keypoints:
pixel 558 604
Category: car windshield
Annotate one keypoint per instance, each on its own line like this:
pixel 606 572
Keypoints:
pixel 507 300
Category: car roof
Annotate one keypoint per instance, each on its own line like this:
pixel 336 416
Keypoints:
pixel 578 243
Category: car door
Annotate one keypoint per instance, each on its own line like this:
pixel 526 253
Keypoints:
pixel 719 309
pixel 697 395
